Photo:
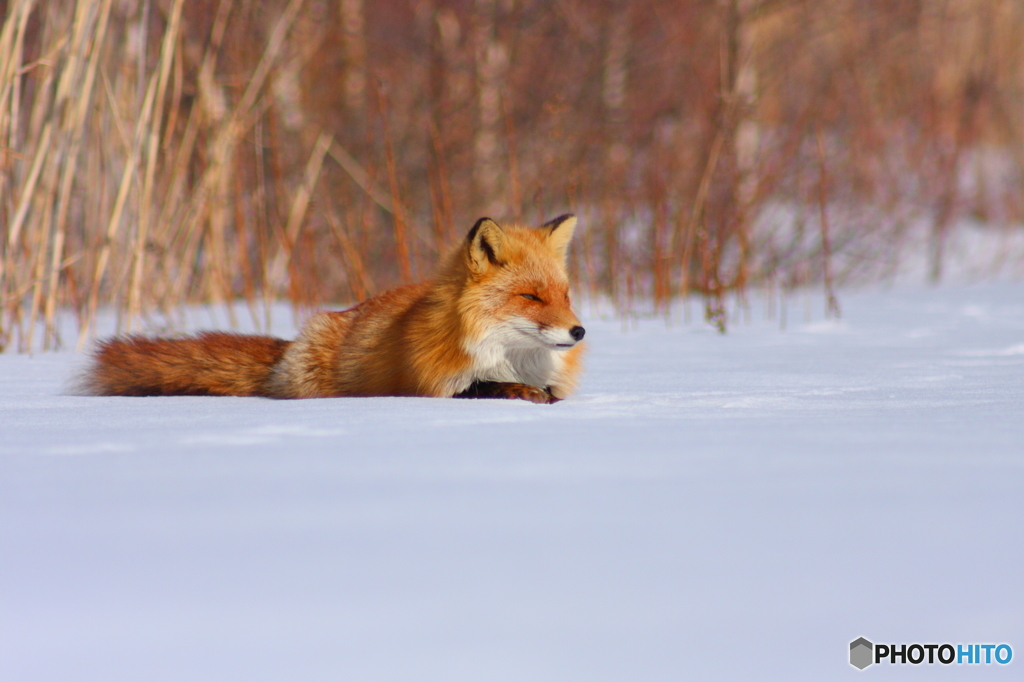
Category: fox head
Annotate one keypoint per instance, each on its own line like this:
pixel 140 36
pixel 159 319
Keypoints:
pixel 517 286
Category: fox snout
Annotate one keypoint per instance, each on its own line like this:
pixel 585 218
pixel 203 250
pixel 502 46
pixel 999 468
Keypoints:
pixel 575 333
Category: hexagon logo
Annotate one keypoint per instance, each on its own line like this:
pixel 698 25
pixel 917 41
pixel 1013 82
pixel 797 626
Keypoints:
pixel 861 651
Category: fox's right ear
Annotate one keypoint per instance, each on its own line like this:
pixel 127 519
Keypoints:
pixel 483 245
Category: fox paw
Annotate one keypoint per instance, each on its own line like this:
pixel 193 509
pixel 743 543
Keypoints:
pixel 531 393
pixel 500 389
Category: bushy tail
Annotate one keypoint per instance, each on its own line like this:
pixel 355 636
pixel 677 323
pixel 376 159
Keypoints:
pixel 211 363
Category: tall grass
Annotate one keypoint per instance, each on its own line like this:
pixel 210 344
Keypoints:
pixel 159 152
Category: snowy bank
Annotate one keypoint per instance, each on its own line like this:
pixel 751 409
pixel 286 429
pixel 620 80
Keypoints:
pixel 708 507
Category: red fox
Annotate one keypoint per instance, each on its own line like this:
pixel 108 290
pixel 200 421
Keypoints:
pixel 496 322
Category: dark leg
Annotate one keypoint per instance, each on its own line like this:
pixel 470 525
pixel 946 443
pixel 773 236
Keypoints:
pixel 500 389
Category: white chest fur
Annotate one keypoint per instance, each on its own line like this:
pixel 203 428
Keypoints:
pixel 502 356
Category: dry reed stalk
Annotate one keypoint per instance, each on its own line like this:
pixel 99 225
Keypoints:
pixel 686 242
pixel 727 115
pixel 42 243
pixel 269 57
pixel 360 285
pixel 244 115
pixel 446 227
pixel 612 252
pixel 366 224
pixel 114 224
pixel 80 102
pixel 261 224
pixel 831 302
pixel 436 216
pixel 174 198
pixel 242 250
pixel 361 177
pixel 12 42
pixel 279 193
pixel 513 161
pixel 300 202
pixel 175 99
pixel 589 263
pixel 219 283
pixel 164 70
pixel 51 234
pixel 188 230
pixel 211 103
pixel 12 45
pixel 662 290
pixel 401 242
pixel 27 192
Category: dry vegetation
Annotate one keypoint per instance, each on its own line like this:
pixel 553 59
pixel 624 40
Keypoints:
pixel 160 152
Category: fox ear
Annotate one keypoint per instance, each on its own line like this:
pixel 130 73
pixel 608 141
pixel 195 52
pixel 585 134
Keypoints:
pixel 484 245
pixel 560 232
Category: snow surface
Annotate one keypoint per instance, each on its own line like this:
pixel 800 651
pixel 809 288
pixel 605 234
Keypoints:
pixel 707 507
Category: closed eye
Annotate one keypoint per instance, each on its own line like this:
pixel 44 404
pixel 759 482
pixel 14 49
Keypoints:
pixel 531 297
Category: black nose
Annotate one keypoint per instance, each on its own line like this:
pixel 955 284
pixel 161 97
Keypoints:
pixel 577 332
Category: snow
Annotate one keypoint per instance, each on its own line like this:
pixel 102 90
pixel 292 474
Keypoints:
pixel 707 507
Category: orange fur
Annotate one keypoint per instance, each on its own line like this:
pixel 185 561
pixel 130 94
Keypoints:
pixel 496 322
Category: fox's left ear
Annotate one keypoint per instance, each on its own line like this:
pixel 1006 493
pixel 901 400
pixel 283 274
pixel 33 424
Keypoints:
pixel 560 232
